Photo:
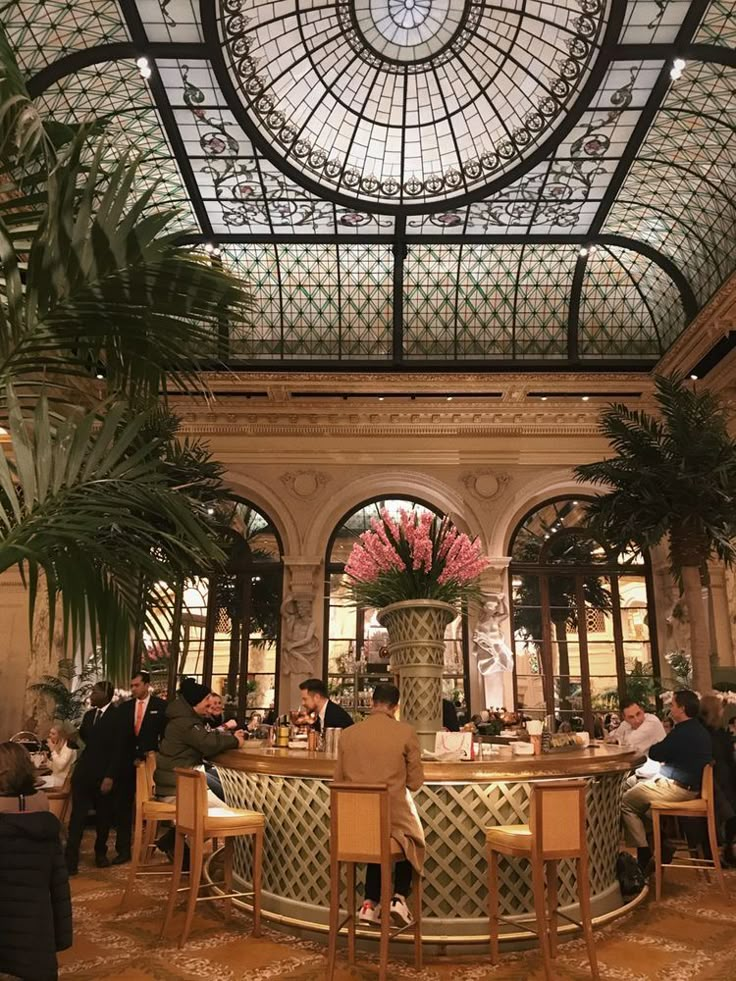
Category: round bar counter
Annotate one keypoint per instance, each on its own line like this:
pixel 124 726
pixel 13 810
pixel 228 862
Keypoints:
pixel 458 800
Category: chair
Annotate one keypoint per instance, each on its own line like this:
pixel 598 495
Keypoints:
pixel 60 799
pixel 148 814
pixel 360 832
pixel 702 807
pixel 556 830
pixel 195 822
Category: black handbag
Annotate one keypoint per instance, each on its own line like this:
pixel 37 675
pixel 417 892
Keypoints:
pixel 630 876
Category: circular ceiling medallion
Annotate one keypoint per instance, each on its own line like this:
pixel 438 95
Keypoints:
pixel 398 102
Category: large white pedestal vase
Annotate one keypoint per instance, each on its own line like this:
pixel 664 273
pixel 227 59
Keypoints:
pixel 416 630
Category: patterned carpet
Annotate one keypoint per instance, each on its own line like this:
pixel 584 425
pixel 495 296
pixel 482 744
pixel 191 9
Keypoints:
pixel 689 936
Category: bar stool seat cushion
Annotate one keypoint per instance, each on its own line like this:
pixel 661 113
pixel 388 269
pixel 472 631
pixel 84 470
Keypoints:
pixel 225 818
pixel 697 806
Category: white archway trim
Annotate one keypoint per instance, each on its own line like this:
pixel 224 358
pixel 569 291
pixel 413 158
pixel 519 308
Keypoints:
pixel 392 483
pixel 560 484
pixel 263 497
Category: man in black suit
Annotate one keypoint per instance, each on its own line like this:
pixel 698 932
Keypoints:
pixel 94 776
pixel 142 720
pixel 329 714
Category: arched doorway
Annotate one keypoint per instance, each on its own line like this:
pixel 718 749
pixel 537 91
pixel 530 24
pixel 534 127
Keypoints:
pixel 355 651
pixel 583 626
pixel 223 629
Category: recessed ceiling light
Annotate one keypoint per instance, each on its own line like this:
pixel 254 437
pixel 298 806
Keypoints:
pixel 585 398
pixel 583 251
pixel 146 72
pixel 575 502
pixel 99 375
pixel 679 64
pixel 380 398
pixel 210 510
pixel 693 378
pixel 142 62
pixel 449 398
pixel 544 398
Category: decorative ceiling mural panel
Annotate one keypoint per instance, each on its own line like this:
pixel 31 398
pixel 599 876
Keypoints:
pixel 474 181
pixel 386 100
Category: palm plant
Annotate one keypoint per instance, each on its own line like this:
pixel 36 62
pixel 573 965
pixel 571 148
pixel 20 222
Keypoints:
pixel 673 478
pixel 98 497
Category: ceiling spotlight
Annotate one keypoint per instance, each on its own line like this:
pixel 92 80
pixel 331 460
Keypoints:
pixel 142 62
pixel 693 378
pixel 543 398
pixel 585 398
pixel 679 64
pixel 210 510
pixel 675 72
pixel 449 398
pixel 380 398
pixel 99 376
pixel 583 251
pixel 209 247
pixel 146 72
pixel 575 503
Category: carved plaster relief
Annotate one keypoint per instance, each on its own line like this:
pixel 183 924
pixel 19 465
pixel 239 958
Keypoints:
pixel 305 483
pixel 486 485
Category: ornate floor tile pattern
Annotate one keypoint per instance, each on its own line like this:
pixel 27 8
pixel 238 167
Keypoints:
pixel 689 936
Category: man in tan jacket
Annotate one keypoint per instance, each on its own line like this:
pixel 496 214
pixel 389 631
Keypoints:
pixel 382 750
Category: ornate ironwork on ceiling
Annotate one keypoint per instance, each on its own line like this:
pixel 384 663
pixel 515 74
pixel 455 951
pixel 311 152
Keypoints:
pixel 425 181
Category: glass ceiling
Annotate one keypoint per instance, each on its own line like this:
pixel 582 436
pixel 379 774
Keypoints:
pixel 488 184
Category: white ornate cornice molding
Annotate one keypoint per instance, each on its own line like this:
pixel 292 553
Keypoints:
pixel 715 320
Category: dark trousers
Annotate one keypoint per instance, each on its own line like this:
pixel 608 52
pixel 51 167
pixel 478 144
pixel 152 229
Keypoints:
pixel 85 796
pixel 124 802
pixel 402 880
pixel 214 783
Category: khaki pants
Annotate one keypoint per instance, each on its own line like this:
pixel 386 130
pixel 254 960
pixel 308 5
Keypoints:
pixel 637 801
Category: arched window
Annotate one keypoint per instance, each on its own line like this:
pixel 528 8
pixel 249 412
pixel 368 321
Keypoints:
pixel 223 629
pixel 583 631
pixel 355 651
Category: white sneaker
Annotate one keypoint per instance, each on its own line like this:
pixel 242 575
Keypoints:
pixel 400 914
pixel 369 915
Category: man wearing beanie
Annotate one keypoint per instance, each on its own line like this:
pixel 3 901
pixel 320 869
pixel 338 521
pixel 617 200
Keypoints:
pixel 187 742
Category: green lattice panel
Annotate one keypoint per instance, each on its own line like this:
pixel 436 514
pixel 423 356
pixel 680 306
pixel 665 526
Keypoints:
pixel 258 266
pixel 718 25
pixel 543 300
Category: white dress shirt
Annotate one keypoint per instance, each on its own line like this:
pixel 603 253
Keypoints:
pixel 651 731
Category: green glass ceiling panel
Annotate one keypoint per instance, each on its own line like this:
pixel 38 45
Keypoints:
pixel 42 32
pixel 627 304
pixel 719 24
pixel 679 194
pixel 116 88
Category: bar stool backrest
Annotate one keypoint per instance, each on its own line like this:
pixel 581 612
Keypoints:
pixel 191 801
pixel 557 818
pixel 360 829
pixel 706 786
pixel 144 770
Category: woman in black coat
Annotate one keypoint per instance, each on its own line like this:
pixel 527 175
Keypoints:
pixel 724 771
pixel 35 906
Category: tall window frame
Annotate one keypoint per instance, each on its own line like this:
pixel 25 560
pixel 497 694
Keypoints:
pixel 574 600
pixel 224 628
pixel 365 629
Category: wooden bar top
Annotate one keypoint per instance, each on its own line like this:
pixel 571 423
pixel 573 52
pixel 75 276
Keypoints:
pixel 502 766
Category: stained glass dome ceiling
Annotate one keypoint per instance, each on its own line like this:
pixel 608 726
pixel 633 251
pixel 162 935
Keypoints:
pixel 479 183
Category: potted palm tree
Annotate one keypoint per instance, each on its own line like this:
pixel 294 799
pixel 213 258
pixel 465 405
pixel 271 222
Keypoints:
pixel 673 478
pixel 100 309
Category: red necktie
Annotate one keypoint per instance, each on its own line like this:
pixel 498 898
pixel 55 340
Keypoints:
pixel 139 710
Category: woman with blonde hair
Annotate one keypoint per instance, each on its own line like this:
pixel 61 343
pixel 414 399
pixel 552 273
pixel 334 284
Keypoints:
pixel 63 757
pixel 18 789
pixel 724 770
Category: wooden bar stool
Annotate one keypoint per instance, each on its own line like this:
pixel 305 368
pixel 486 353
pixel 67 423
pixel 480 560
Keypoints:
pixel 360 832
pixel 556 830
pixel 702 807
pixel 148 814
pixel 60 800
pixel 194 821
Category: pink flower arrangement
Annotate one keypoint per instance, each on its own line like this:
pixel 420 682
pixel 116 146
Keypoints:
pixel 418 556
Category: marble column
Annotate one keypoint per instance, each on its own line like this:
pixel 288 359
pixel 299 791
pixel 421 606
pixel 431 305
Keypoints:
pixel 301 630
pixel 720 615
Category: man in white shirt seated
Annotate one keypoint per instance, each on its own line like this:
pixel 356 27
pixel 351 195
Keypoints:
pixel 638 731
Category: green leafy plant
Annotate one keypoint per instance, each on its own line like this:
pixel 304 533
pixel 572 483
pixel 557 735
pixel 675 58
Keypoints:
pixel 70 690
pixel 101 309
pixel 671 478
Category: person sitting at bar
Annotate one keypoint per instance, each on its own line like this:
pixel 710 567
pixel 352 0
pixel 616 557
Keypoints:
pixel 639 729
pixel 188 743
pixel 384 751
pixel 683 755
pixel 329 714
pixel 724 771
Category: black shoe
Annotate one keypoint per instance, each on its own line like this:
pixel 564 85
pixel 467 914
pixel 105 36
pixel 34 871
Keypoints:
pixel 668 853
pixel 102 861
pixel 121 859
